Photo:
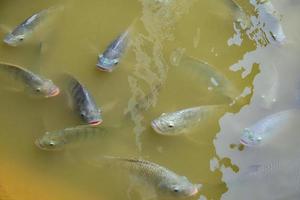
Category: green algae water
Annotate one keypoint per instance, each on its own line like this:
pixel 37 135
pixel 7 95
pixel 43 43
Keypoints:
pixel 145 84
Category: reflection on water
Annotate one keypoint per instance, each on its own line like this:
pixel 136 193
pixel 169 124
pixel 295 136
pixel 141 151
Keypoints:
pixel 181 54
pixel 270 169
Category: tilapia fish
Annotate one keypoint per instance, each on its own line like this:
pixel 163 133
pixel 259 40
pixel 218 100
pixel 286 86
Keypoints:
pixel 57 140
pixel 24 30
pixel 112 54
pixel 258 132
pixel 161 178
pixel 180 122
pixel 83 102
pixel 33 83
pixel 196 70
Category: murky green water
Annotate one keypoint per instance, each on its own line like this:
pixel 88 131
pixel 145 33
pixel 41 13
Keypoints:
pixel 163 36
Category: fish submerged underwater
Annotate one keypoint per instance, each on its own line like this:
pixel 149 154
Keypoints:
pixel 26 29
pixel 162 179
pixel 182 121
pixel 57 140
pixel 34 84
pixel 112 54
pixel 83 102
pixel 264 128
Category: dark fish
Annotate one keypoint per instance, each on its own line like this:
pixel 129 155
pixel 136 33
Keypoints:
pixel 83 102
pixel 34 84
pixel 111 56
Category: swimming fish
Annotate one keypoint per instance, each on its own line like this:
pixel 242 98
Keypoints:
pixel 83 102
pixel 57 140
pixel 112 54
pixel 180 122
pixel 197 70
pixel 258 132
pixel 161 178
pixel 24 30
pixel 34 84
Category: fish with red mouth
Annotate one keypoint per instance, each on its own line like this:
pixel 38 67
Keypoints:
pixel 83 102
pixel 33 84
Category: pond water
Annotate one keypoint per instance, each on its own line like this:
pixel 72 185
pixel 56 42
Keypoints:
pixel 160 73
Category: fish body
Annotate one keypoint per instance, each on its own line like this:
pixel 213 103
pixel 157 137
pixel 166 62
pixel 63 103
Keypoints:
pixel 83 102
pixel 57 140
pixel 180 122
pixel 24 30
pixel 258 132
pixel 112 54
pixel 34 84
pixel 163 179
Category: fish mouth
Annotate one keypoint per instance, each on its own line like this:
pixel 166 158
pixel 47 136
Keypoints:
pixel 243 142
pixel 38 144
pixel 54 93
pixel 95 123
pixel 156 127
pixel 9 42
pixel 194 192
pixel 104 69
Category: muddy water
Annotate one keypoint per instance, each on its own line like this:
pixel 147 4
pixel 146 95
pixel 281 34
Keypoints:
pixel 163 35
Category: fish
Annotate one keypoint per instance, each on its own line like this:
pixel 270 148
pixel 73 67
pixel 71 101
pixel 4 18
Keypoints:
pixel 57 140
pixel 26 29
pixel 112 54
pixel 83 102
pixel 182 121
pixel 34 83
pixel 194 69
pixel 259 131
pixel 162 179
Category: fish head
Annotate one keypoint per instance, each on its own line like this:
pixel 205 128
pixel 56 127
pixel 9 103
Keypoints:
pixel 180 187
pixel 91 116
pixel 50 142
pixel 167 124
pixel 45 88
pixel 106 64
pixel 248 138
pixel 13 40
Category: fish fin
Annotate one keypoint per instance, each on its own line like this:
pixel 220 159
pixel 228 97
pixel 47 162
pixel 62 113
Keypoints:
pixel 42 48
pixel 193 140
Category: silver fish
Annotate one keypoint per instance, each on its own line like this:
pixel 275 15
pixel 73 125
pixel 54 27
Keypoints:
pixel 180 122
pixel 34 84
pixel 57 140
pixel 27 27
pixel 258 132
pixel 83 102
pixel 111 56
pixel 161 178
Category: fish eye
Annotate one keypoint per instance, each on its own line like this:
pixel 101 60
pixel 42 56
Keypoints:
pixel 51 143
pixel 170 125
pixel 176 190
pixel 82 114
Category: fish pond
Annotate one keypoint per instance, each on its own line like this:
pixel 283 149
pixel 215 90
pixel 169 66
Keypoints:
pixel 196 99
